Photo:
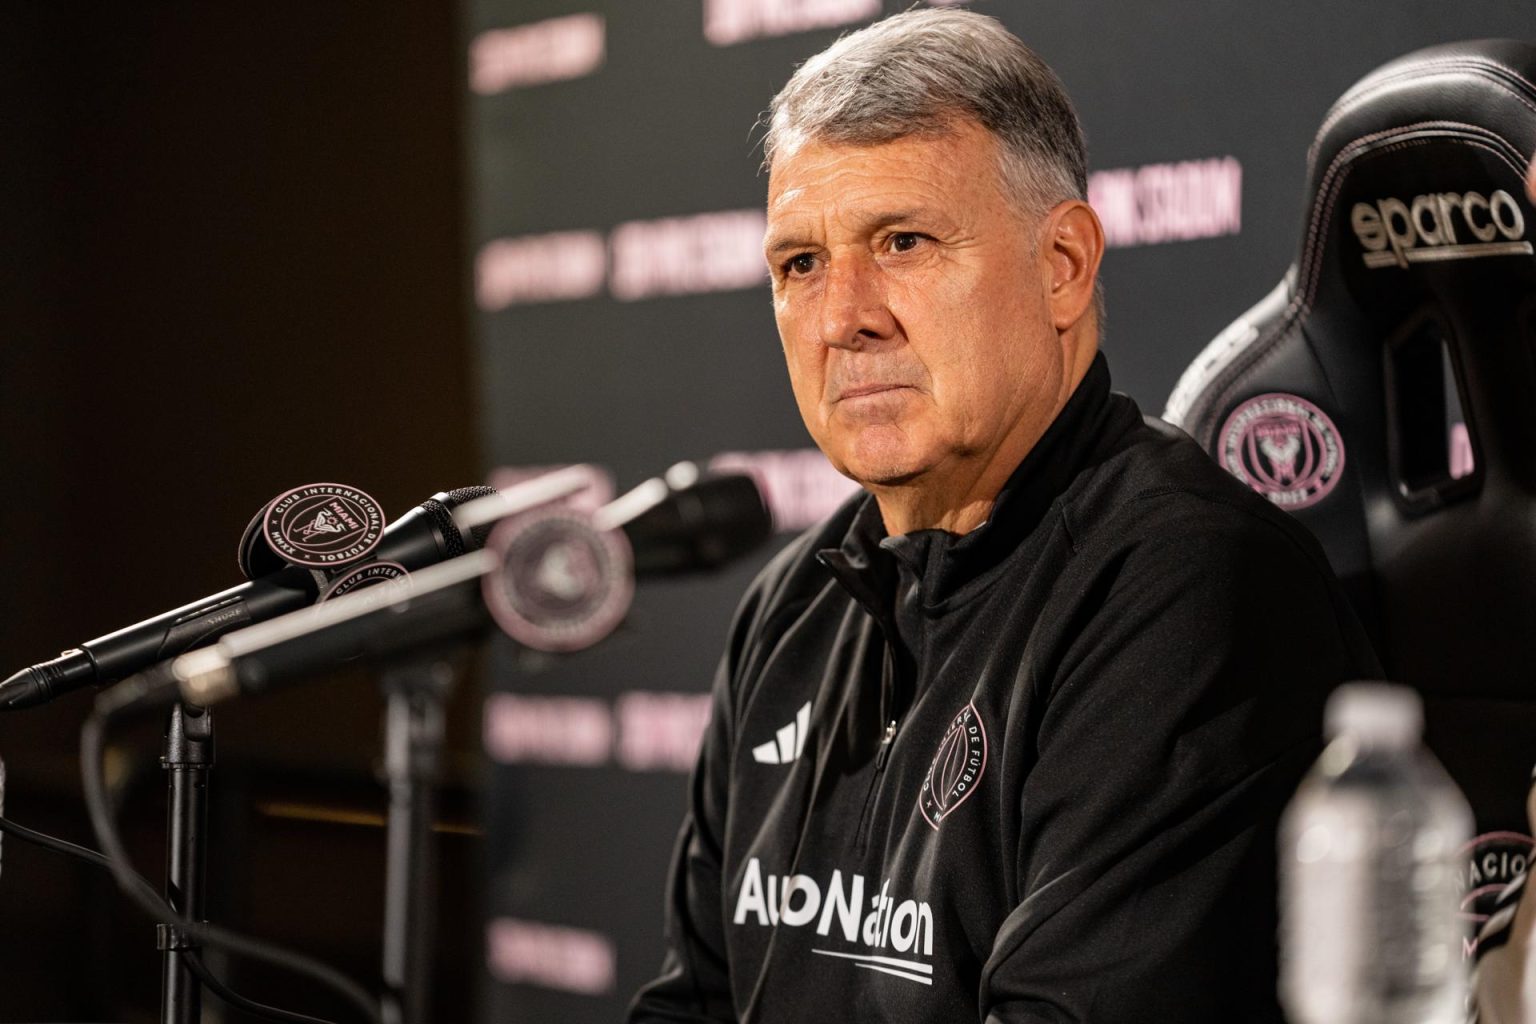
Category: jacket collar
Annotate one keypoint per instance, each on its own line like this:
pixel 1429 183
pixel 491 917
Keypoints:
pixel 869 564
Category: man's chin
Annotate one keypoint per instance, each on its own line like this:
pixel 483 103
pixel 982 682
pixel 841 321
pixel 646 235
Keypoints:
pixel 878 473
pixel 882 456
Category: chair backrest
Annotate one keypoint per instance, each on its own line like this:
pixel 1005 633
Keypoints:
pixel 1385 393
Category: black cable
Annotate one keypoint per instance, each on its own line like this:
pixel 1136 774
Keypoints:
pixel 213 984
pixel 193 961
pixel 68 848
pixel 99 805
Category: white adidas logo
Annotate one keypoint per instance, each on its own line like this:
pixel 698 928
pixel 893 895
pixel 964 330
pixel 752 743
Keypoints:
pixel 788 742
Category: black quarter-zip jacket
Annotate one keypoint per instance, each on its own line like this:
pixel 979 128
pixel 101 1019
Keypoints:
pixel 1031 773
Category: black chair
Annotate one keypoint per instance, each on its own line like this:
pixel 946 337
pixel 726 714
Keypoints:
pixel 1385 393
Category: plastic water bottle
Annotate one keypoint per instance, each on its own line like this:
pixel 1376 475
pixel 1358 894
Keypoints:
pixel 1370 889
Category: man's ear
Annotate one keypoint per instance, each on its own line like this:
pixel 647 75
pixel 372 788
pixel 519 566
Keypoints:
pixel 1071 246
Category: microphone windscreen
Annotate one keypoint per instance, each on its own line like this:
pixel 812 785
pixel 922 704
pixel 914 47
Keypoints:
pixel 703 526
pixel 452 500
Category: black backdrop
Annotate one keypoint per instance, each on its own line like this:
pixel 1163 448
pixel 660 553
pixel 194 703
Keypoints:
pixel 615 193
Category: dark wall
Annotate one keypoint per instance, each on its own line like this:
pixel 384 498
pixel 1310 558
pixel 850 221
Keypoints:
pixel 232 263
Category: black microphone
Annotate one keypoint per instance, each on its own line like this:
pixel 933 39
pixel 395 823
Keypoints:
pixel 685 521
pixel 674 524
pixel 423 536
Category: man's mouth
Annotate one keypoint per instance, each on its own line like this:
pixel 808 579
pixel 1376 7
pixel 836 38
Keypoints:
pixel 865 390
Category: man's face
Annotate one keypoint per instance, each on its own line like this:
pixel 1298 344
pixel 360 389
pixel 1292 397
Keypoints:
pixel 912 306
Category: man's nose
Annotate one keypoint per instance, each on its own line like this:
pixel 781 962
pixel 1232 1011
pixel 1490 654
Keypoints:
pixel 853 305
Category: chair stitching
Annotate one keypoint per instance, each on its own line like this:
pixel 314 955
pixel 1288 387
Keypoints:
pixel 1353 99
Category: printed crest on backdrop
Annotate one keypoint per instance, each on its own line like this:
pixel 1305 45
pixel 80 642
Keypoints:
pixel 560 584
pixel 1491 862
pixel 956 768
pixel 323 526
pixel 363 576
pixel 1283 447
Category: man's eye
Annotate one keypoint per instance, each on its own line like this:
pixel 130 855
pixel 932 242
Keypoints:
pixel 801 264
pixel 904 241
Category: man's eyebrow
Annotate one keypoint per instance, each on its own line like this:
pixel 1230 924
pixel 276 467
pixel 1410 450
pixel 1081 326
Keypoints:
pixel 871 222
pixel 784 243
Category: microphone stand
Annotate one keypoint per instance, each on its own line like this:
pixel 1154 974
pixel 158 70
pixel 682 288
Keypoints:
pixel 189 754
pixel 414 692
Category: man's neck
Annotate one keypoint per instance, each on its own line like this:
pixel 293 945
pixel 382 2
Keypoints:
pixel 903 511
pixel 958 501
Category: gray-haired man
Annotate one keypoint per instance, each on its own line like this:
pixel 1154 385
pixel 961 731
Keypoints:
pixel 1005 739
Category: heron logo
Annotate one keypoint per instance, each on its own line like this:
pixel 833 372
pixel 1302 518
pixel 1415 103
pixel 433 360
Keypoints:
pixel 323 526
pixel 1439 226
pixel 560 584
pixel 326 522
pixel 1283 447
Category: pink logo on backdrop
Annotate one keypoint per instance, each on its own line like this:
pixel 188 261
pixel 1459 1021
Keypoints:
pixel 1168 202
pixel 642 731
pixel 559 584
pixel 660 731
pixel 549 956
pixel 547 730
pixel 544 51
pixel 707 252
pixel 800 486
pixel 735 21
pixel 539 268
pixel 1283 447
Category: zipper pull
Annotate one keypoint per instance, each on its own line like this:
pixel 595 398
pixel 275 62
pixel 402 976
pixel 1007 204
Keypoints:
pixel 885 744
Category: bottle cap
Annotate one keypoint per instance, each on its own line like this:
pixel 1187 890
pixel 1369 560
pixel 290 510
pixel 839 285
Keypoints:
pixel 1378 713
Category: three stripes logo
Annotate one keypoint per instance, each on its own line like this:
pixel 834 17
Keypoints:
pixel 788 742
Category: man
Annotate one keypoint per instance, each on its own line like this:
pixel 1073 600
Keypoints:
pixel 1006 738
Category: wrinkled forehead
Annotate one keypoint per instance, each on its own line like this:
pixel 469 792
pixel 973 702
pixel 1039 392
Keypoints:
pixel 948 186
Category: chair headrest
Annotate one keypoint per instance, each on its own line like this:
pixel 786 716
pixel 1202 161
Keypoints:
pixel 1416 180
